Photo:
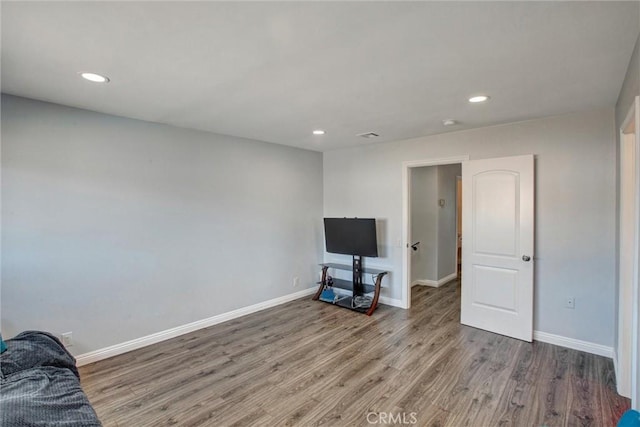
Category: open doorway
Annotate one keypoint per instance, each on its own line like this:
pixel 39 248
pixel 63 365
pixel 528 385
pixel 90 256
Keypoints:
pixel 434 225
pixel 497 254
pixel 430 223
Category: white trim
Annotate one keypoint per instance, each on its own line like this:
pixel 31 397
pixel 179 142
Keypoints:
pixel 394 302
pixel 628 352
pixel 458 217
pixel 406 210
pixel 125 347
pixel 586 346
pixel 635 330
pixel 117 349
pixel 435 283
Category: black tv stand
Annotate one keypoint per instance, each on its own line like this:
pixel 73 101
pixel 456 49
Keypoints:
pixel 357 286
pixel 356 266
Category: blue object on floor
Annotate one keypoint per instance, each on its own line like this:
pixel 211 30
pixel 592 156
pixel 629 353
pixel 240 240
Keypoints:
pixel 328 295
pixel 3 345
pixel 630 418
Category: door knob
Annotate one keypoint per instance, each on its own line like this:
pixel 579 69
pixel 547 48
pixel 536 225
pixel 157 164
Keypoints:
pixel 526 258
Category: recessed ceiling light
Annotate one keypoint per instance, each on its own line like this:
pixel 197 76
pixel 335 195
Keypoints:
pixel 93 77
pixel 319 132
pixel 479 98
pixel 449 122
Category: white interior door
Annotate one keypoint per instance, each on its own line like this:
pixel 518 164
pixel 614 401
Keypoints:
pixel 497 250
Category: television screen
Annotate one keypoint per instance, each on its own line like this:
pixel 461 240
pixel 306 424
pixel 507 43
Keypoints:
pixel 351 236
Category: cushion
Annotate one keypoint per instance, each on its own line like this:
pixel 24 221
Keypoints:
pixel 32 349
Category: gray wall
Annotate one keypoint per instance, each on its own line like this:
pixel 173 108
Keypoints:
pixel 115 228
pixel 424 223
pixel 447 219
pixel 575 207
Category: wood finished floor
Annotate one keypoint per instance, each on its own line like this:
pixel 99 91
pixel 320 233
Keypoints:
pixel 309 363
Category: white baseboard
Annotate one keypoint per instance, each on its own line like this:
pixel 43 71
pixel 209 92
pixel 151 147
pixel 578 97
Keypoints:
pixel 435 283
pixel 114 350
pixel 390 301
pixel 586 346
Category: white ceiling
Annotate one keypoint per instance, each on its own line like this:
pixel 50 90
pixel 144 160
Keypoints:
pixel 276 71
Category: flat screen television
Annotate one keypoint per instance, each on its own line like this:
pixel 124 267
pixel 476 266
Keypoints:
pixel 351 236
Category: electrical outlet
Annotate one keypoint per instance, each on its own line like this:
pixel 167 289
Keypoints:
pixel 67 339
pixel 570 303
pixel 296 281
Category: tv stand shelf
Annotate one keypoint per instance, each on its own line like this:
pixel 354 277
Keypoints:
pixel 365 270
pixel 356 286
pixel 348 285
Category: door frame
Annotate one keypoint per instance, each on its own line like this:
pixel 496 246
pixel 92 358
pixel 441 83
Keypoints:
pixel 458 221
pixel 406 216
pixel 629 309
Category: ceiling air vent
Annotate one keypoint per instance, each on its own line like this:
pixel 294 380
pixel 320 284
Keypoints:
pixel 368 135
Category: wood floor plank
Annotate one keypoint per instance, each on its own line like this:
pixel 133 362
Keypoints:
pixel 309 363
